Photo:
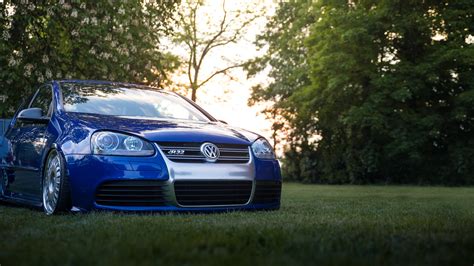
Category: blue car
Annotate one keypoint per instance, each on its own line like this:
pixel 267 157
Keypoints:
pixel 83 145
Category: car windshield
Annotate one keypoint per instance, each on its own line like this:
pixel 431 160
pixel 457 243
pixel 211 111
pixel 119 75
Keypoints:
pixel 116 100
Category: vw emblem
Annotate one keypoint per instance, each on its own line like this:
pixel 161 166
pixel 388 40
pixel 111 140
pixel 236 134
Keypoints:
pixel 210 151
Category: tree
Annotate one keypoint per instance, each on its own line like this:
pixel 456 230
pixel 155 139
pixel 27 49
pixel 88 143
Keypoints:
pixel 286 55
pixel 389 93
pixel 82 39
pixel 200 39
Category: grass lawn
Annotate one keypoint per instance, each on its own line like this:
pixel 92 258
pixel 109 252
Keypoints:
pixel 381 225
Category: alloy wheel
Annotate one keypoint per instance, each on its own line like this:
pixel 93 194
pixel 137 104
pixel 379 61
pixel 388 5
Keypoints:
pixel 3 182
pixel 52 183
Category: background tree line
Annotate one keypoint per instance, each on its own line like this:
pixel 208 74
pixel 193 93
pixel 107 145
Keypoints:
pixel 372 91
pixel 104 40
pixel 113 40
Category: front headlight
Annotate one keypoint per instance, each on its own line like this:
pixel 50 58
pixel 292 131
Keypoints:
pixel 111 143
pixel 262 149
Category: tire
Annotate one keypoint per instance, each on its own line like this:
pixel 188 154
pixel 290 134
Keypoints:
pixel 3 182
pixel 56 191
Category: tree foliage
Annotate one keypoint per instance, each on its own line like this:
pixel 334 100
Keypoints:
pixel 387 90
pixel 110 40
pixel 287 55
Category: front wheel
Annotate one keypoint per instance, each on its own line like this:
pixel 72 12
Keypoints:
pixel 56 190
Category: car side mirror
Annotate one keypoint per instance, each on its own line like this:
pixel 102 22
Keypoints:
pixel 222 121
pixel 33 115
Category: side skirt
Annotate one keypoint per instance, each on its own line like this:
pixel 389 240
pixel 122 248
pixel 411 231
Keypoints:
pixel 22 201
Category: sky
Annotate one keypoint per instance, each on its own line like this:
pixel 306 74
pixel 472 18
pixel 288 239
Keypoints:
pixel 224 98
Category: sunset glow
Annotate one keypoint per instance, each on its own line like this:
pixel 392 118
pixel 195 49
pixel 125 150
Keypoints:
pixel 226 96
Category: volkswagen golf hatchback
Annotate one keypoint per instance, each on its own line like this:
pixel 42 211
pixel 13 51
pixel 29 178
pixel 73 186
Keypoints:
pixel 83 145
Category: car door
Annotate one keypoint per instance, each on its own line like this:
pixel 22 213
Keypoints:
pixel 28 144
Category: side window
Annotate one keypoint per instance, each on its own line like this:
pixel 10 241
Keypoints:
pixel 43 100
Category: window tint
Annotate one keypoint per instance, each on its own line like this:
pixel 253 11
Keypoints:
pixel 43 100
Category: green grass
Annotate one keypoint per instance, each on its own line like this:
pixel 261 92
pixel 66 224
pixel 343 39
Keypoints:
pixel 317 224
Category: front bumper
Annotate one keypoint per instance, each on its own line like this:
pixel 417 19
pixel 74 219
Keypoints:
pixel 87 173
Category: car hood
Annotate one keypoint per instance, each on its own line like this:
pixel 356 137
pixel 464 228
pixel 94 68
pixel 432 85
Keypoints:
pixel 159 130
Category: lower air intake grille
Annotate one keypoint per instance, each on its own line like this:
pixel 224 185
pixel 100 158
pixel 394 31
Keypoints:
pixel 135 193
pixel 195 193
pixel 190 152
pixel 267 192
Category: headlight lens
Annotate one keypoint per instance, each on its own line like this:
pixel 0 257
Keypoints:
pixel 107 141
pixel 262 149
pixel 111 143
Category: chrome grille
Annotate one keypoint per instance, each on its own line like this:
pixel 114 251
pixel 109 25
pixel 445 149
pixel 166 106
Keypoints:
pixel 189 152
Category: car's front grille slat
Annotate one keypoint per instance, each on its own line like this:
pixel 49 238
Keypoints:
pixel 242 195
pixel 210 203
pixel 233 150
pixel 141 195
pixel 187 157
pixel 131 190
pixel 136 193
pixel 132 183
pixel 190 152
pixel 132 203
pixel 182 148
pixel 234 158
pixel 200 193
pixel 210 189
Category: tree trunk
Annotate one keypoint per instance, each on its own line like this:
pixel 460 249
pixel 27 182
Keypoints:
pixel 193 93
